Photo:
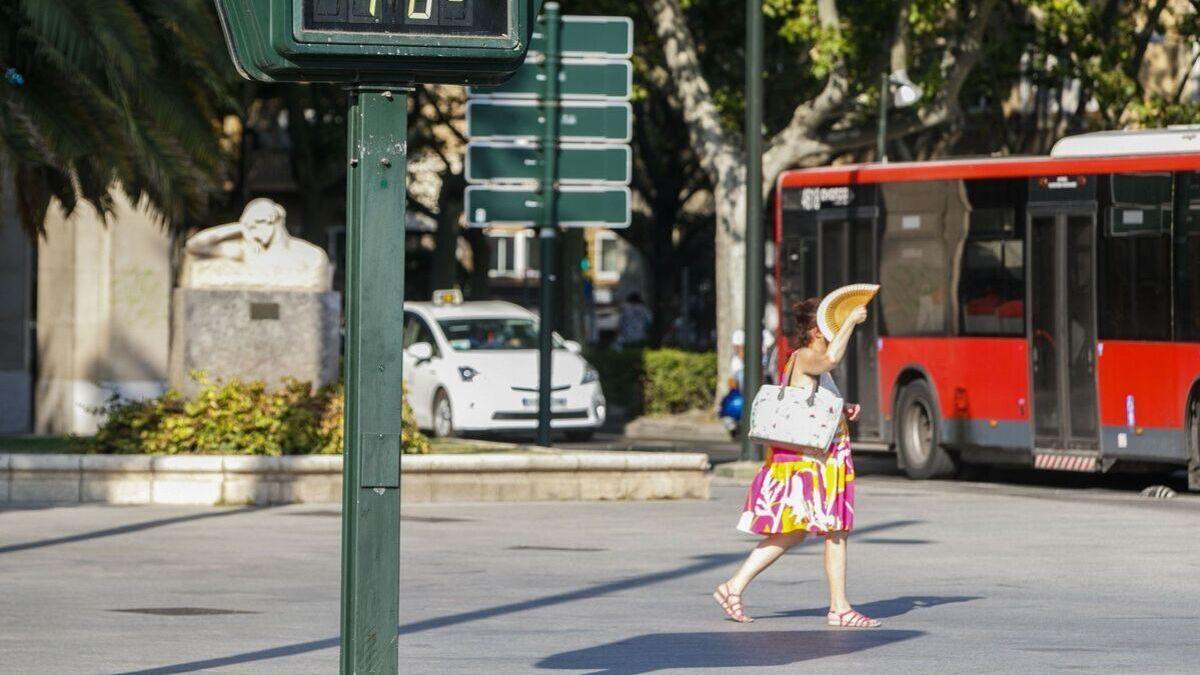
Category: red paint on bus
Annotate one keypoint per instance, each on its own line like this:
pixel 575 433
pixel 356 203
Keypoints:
pixel 991 373
pixel 965 169
pixel 1159 376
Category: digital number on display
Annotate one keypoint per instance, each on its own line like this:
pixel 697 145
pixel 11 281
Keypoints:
pixel 445 17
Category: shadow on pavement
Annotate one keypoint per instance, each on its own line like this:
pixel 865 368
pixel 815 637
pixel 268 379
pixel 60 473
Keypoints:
pixel 884 609
pixel 731 649
pixel 702 563
pixel 124 529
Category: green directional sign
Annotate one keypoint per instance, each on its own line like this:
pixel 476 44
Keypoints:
pixel 608 36
pixel 578 121
pixel 577 78
pixel 577 162
pixel 576 206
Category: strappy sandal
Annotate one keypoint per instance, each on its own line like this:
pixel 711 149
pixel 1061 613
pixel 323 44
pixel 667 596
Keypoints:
pixel 852 619
pixel 731 603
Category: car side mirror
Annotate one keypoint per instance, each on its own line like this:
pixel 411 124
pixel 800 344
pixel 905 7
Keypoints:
pixel 421 351
pixel 572 346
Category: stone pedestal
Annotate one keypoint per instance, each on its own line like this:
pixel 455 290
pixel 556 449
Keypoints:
pixel 255 335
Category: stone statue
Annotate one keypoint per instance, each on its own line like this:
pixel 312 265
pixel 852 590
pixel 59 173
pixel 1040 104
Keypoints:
pixel 255 253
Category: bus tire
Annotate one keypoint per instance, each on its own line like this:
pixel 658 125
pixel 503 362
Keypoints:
pixel 1193 442
pixel 917 434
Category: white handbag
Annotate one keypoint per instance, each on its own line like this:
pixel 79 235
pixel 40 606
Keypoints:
pixel 793 418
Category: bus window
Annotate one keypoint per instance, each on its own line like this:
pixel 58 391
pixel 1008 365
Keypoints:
pixel 1187 258
pixel 1135 259
pixel 991 283
pixel 922 244
pixel 797 253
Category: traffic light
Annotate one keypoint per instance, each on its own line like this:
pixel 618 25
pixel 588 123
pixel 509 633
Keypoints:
pixel 384 41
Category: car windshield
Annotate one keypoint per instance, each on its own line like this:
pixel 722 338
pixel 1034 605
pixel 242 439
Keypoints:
pixel 495 333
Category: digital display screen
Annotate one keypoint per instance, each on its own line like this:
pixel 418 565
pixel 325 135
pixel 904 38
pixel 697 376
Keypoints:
pixel 400 17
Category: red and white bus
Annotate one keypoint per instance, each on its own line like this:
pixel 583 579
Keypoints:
pixel 1042 311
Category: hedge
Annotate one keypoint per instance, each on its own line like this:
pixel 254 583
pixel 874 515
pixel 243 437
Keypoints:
pixel 233 417
pixel 656 381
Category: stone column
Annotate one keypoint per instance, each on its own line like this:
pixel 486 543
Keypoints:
pixel 102 313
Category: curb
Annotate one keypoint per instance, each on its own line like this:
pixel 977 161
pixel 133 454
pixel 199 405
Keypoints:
pixel 655 429
pixel 534 474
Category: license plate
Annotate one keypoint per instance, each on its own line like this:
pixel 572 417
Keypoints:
pixel 554 402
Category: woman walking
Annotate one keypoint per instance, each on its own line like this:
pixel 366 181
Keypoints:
pixel 796 494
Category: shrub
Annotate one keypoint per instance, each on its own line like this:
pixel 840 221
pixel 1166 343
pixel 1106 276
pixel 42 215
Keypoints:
pixel 621 374
pixel 677 381
pixel 657 381
pixel 235 417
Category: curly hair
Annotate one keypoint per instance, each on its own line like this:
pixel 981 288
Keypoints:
pixel 806 320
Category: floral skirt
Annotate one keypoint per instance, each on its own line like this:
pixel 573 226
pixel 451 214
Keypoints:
pixel 802 492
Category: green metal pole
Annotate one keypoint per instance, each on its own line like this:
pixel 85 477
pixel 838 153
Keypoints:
pixel 881 140
pixel 549 227
pixel 377 150
pixel 755 268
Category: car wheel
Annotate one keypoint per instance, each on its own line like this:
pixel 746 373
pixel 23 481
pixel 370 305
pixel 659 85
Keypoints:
pixel 917 434
pixel 443 415
pixel 580 435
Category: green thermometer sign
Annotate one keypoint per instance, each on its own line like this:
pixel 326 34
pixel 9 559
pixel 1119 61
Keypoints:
pixel 444 17
pixel 392 41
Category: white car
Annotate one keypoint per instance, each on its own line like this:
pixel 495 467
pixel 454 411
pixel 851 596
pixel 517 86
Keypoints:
pixel 473 366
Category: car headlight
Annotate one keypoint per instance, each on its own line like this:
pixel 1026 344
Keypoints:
pixel 467 373
pixel 589 375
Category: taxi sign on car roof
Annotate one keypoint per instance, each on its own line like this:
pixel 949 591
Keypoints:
pixel 447 296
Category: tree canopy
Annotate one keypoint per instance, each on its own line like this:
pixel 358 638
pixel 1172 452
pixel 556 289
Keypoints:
pixel 120 92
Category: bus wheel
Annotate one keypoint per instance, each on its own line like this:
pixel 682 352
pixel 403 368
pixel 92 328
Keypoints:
pixel 917 434
pixel 1193 441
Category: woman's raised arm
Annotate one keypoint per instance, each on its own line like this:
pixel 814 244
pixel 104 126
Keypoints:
pixel 815 363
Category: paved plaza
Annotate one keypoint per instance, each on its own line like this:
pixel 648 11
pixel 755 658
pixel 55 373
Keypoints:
pixel 968 577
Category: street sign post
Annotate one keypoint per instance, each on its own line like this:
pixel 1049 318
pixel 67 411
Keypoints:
pixel 574 88
pixel 526 120
pixel 376 47
pixel 575 206
pixel 578 163
pixel 551 119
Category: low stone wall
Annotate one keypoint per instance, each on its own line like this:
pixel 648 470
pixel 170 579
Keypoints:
pixel 538 475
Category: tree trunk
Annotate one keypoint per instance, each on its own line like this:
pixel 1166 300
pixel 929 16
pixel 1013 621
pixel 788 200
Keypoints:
pixel 730 197
pixel 444 271
pixel 478 282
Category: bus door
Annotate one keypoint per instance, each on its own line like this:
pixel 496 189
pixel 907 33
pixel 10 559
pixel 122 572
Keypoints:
pixel 846 251
pixel 1062 326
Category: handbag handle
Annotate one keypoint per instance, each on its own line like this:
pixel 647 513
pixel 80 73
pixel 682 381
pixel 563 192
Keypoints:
pixel 812 397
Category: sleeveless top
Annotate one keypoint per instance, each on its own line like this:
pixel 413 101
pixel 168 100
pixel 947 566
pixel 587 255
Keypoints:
pixel 825 381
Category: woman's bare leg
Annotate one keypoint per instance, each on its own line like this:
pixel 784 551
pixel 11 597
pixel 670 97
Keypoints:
pixel 835 571
pixel 840 612
pixel 767 552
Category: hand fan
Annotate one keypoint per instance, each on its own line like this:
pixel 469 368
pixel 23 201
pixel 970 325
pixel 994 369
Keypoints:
pixel 836 306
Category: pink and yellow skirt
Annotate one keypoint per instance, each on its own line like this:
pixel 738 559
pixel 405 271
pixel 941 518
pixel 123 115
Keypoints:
pixel 802 492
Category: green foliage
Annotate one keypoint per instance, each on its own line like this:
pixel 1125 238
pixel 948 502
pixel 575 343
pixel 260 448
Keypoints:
pixel 118 91
pixel 232 417
pixel 656 381
pixel 621 372
pixel 677 381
